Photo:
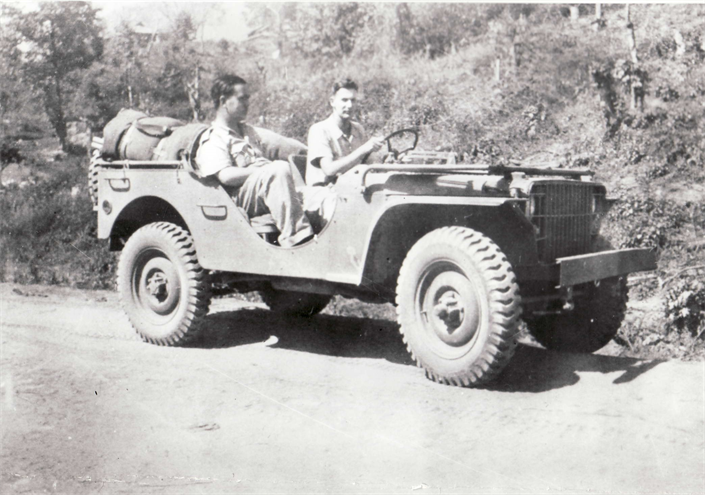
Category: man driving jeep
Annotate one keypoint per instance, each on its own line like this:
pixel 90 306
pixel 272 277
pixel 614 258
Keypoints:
pixel 240 157
pixel 337 144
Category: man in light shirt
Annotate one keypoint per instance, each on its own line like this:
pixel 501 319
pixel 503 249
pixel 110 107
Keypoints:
pixel 240 157
pixel 337 144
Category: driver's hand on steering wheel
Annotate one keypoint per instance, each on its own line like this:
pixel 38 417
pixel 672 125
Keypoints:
pixel 374 144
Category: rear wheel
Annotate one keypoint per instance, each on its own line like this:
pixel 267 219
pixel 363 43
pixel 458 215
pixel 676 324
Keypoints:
pixel 93 182
pixel 458 305
pixel 294 303
pixel 162 286
pixel 596 319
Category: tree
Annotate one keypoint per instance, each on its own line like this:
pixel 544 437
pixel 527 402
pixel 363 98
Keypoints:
pixel 328 30
pixel 10 91
pixel 181 76
pixel 61 38
pixel 635 76
pixel 436 29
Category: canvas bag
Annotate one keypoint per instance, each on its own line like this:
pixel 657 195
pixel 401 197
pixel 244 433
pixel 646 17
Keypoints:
pixel 181 142
pixel 143 136
pixel 115 130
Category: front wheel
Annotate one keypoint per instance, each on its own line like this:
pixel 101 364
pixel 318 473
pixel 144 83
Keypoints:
pixel 163 288
pixel 458 305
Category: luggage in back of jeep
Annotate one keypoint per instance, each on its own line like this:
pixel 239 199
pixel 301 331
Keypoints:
pixel 133 135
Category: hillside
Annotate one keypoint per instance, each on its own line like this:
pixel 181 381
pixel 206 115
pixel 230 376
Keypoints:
pixel 567 92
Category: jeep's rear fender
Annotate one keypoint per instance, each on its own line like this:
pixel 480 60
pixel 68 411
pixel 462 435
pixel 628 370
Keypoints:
pixel 401 225
pixel 140 212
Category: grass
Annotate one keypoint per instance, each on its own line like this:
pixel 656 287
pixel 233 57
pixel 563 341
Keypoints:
pixel 48 231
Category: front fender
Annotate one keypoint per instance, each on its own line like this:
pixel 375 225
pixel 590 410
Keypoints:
pixel 405 219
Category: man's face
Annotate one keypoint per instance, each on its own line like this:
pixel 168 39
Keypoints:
pixel 237 104
pixel 344 102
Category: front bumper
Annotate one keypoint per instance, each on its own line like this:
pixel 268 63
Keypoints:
pixel 583 268
pixel 574 270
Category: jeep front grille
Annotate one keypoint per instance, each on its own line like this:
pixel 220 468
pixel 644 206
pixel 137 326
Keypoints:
pixel 562 212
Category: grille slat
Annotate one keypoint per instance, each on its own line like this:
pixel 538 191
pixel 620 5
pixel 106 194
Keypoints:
pixel 563 217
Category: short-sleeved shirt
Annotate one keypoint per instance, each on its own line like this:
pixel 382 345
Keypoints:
pixel 326 140
pixel 221 147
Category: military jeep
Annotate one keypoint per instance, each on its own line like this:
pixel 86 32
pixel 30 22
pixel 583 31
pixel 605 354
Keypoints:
pixel 464 251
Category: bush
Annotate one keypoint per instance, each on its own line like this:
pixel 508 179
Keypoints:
pixel 685 305
pixel 9 153
pixel 646 222
pixel 48 232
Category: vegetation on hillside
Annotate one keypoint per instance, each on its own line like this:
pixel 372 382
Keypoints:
pixel 618 91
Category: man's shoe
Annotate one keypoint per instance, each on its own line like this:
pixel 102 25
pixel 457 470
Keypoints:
pixel 305 240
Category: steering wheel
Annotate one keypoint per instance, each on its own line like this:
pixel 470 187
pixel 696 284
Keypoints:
pixel 396 153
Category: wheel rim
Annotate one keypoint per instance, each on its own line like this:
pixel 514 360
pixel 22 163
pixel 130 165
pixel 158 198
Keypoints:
pixel 156 287
pixel 450 308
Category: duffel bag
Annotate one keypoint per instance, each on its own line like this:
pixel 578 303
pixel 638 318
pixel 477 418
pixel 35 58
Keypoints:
pixel 115 130
pixel 143 136
pixel 182 140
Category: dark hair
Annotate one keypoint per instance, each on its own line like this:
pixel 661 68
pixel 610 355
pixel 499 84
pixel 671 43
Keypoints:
pixel 224 85
pixel 346 83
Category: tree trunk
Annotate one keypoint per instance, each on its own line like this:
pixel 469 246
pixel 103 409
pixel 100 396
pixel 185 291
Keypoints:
pixel 59 120
pixel 128 76
pixel 515 48
pixel 598 23
pixel 55 107
pixel 197 96
pixel 194 96
pixel 631 38
pixel 636 88
pixel 680 43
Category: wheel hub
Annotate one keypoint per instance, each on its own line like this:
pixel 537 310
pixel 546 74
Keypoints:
pixel 157 286
pixel 450 308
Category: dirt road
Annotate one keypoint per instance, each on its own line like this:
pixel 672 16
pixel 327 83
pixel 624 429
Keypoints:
pixel 326 405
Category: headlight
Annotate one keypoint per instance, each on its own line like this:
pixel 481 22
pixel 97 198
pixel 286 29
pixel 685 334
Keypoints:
pixel 598 205
pixel 598 210
pixel 533 205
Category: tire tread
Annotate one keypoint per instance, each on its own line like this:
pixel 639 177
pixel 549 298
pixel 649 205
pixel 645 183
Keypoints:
pixel 505 304
pixel 199 295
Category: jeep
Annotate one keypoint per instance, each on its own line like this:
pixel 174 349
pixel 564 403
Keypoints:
pixel 464 252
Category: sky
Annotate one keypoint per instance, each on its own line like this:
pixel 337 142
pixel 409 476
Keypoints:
pixel 221 20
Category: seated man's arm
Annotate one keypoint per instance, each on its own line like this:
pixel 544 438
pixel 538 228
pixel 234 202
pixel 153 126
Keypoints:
pixel 215 158
pixel 234 176
pixel 321 154
pixel 333 167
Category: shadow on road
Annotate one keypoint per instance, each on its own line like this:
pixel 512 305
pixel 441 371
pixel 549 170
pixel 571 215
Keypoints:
pixel 330 335
pixel 532 369
pixel 537 370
